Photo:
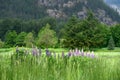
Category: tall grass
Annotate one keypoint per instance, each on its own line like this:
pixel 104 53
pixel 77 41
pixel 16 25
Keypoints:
pixel 43 67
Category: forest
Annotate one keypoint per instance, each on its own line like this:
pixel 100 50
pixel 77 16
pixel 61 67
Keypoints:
pixel 48 32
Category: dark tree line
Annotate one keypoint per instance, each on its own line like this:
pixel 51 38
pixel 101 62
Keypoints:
pixel 87 33
pixel 19 25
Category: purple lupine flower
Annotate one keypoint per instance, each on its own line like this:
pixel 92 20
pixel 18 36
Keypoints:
pixel 47 52
pixel 34 51
pixel 88 54
pixel 69 54
pixel 77 52
pixel 82 53
pixel 92 55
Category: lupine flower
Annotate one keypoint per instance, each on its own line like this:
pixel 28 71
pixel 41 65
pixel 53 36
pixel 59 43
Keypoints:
pixel 77 52
pixel 69 54
pixel 92 55
pixel 34 51
pixel 47 52
pixel 82 53
pixel 88 54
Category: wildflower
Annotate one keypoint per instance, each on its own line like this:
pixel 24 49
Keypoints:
pixel 48 53
pixel 79 52
pixel 88 54
pixel 82 53
pixel 76 52
pixel 69 54
pixel 34 52
pixel 92 55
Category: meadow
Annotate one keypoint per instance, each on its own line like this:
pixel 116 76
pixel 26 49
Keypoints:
pixel 103 66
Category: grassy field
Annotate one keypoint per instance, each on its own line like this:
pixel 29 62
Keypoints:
pixel 105 66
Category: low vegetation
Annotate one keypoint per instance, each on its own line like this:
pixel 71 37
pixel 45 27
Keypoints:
pixel 22 66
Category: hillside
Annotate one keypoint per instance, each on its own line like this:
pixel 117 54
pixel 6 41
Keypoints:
pixel 60 9
pixel 115 4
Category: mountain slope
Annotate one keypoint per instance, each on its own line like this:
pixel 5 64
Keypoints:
pixel 60 9
pixel 115 4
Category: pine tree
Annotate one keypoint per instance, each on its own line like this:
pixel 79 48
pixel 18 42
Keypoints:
pixel 111 45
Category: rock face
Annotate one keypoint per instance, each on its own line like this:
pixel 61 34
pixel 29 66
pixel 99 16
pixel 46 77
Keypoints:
pixel 60 9
pixel 55 8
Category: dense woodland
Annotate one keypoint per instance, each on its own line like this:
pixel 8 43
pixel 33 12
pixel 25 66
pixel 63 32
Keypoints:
pixel 48 32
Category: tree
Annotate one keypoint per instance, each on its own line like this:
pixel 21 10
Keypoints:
pixel 111 44
pixel 69 31
pixel 46 37
pixel 1 44
pixel 116 34
pixel 88 33
pixel 20 39
pixel 10 38
pixel 29 40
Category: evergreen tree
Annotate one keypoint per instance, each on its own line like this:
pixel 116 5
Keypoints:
pixel 111 45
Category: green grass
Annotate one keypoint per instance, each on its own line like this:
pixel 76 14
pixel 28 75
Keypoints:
pixel 104 67
pixel 106 50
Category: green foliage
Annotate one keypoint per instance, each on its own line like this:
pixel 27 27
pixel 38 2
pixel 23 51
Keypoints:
pixel 111 44
pixel 116 34
pixel 10 38
pixel 87 33
pixel 25 9
pixel 1 44
pixel 69 31
pixel 50 68
pixel 20 39
pixel 29 40
pixel 46 37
